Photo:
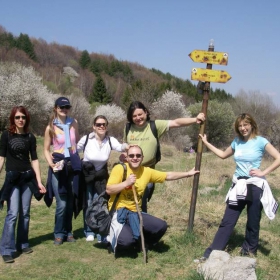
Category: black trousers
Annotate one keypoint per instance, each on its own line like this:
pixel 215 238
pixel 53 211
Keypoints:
pixel 147 196
pixel 153 229
pixel 231 215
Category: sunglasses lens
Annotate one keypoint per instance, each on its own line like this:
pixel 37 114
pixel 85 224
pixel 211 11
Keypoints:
pixel 22 117
pixel 135 155
pixel 100 124
pixel 67 107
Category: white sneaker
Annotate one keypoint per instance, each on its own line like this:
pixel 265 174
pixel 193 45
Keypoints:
pixel 90 238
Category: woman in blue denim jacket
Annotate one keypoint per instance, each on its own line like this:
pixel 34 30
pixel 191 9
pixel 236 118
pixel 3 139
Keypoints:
pixel 23 178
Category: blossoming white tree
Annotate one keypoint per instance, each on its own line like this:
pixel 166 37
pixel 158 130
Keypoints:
pixel 81 111
pixel 112 112
pixel 115 116
pixel 171 106
pixel 20 85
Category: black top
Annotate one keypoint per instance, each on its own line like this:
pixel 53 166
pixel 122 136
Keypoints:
pixel 16 149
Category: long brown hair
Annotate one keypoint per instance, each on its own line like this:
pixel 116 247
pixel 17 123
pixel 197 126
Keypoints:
pixel 247 118
pixel 24 111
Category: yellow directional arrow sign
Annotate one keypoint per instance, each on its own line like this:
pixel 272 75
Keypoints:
pixel 209 57
pixel 208 75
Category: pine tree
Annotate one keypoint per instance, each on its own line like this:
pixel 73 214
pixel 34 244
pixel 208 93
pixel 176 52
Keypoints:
pixel 84 60
pixel 23 43
pixel 7 40
pixel 99 92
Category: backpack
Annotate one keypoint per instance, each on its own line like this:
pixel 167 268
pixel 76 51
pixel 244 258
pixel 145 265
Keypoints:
pixel 97 216
pixel 155 133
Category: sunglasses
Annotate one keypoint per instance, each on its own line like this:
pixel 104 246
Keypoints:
pixel 67 107
pixel 135 155
pixel 20 117
pixel 100 124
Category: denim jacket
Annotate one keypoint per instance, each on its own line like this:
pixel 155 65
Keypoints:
pixel 15 178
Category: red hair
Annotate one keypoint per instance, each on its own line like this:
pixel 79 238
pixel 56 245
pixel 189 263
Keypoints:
pixel 23 110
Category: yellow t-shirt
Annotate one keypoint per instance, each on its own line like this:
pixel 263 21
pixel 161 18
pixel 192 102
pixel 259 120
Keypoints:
pixel 144 176
pixel 143 137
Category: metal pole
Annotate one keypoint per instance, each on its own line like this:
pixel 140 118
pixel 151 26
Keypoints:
pixel 206 91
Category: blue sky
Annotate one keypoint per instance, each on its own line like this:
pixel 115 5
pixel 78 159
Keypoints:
pixel 160 34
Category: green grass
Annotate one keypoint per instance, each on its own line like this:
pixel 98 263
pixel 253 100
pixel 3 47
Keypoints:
pixel 173 257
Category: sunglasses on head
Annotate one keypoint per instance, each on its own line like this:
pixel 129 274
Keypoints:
pixel 100 124
pixel 134 155
pixel 20 117
pixel 64 107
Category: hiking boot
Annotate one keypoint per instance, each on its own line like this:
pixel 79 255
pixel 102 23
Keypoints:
pixel 246 253
pixel 58 241
pixel 27 250
pixel 71 239
pixel 109 248
pixel 8 259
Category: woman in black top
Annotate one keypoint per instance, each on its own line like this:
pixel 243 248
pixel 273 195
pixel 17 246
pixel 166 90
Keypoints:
pixel 22 180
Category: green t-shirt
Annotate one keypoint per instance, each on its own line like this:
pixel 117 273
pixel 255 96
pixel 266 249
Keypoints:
pixel 144 138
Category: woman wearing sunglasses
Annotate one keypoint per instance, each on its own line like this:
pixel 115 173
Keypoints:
pixel 22 179
pixel 97 147
pixel 64 168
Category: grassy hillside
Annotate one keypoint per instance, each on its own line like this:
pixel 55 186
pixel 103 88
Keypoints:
pixel 65 69
pixel 173 257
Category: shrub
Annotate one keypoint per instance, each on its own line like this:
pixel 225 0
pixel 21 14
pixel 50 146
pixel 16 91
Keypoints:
pixel 219 122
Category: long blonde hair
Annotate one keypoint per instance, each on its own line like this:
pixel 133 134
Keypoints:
pixel 52 117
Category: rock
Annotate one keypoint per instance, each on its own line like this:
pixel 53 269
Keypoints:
pixel 220 266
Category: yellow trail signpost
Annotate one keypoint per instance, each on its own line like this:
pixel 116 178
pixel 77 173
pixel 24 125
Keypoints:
pixel 208 75
pixel 220 58
pixel 205 75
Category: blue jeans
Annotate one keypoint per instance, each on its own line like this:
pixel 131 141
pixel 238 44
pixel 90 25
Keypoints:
pixel 17 206
pixel 91 193
pixel 64 208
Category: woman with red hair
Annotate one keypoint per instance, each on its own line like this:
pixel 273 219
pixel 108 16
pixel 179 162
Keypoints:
pixel 17 146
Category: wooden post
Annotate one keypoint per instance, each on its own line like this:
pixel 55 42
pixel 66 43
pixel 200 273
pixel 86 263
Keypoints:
pixel 206 92
pixel 141 225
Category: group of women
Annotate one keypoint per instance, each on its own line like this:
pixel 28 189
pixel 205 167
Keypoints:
pixel 61 147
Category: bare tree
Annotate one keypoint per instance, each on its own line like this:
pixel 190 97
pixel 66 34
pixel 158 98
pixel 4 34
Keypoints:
pixel 261 107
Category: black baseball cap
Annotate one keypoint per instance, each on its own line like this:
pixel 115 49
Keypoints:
pixel 62 101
